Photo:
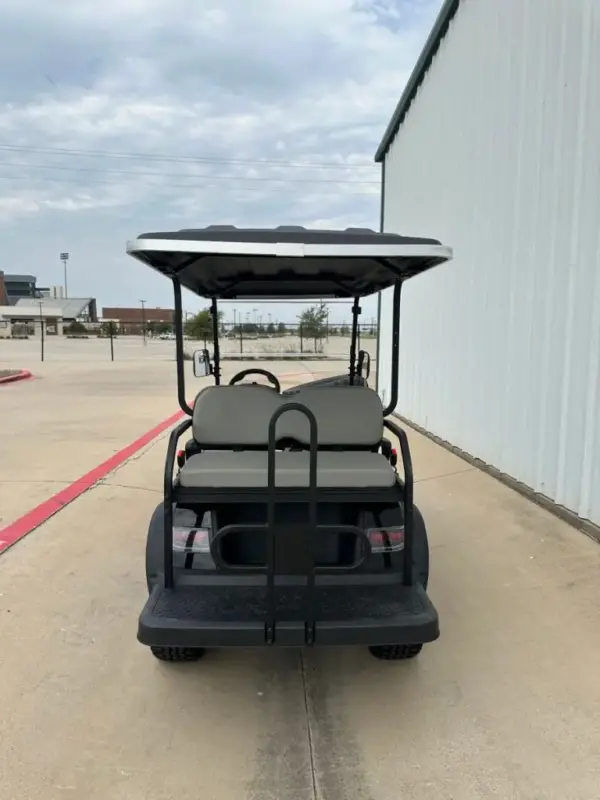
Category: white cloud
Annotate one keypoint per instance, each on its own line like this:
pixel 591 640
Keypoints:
pixel 276 80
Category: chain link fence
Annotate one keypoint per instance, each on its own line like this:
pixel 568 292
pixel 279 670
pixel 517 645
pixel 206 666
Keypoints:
pixel 126 340
pixel 292 339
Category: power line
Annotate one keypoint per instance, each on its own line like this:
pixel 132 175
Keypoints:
pixel 182 159
pixel 60 180
pixel 185 175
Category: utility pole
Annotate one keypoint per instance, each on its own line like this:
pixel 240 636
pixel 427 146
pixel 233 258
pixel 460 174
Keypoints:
pixel 143 302
pixel 41 329
pixel 64 257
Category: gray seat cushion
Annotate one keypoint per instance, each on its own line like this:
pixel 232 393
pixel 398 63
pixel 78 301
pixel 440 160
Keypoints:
pixel 248 470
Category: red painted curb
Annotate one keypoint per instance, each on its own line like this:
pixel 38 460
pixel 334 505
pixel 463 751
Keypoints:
pixel 20 376
pixel 16 530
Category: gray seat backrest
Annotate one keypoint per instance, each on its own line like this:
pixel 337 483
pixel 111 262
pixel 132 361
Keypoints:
pixel 229 416
pixel 234 415
pixel 346 415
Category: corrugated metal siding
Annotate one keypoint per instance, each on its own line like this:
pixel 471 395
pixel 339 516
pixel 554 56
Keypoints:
pixel 499 156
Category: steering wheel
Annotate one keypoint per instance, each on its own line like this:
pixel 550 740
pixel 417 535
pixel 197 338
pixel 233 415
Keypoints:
pixel 255 371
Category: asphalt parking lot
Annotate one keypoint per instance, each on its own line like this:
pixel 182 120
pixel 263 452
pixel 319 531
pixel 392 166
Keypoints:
pixel 506 704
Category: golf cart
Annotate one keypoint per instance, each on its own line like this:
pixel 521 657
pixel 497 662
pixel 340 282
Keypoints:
pixel 284 520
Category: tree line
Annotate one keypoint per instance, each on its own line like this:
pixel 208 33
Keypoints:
pixel 312 323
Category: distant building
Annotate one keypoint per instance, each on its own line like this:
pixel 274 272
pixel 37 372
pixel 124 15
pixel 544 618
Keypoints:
pixel 17 287
pixel 25 319
pixel 54 292
pixel 80 309
pixel 3 293
pixel 136 315
pixel 23 304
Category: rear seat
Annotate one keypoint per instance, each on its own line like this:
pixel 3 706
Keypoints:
pixel 348 417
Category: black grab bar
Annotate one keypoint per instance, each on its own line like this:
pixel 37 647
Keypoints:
pixel 408 500
pixel 312 519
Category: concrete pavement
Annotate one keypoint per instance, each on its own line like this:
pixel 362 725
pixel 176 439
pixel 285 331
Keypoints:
pixel 506 703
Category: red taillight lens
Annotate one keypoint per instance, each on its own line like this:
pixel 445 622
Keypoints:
pixel 191 540
pixel 386 540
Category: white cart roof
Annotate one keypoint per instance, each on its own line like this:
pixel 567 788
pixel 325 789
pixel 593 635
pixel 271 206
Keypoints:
pixel 225 262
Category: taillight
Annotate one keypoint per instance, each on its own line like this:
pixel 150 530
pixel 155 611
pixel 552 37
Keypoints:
pixel 386 540
pixel 191 540
pixel 180 458
pixel 393 457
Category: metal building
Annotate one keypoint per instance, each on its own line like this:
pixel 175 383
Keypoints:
pixel 495 149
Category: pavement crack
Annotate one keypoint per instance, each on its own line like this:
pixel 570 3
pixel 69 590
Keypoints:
pixel 309 732
pixel 127 486
pixel 336 760
pixel 445 475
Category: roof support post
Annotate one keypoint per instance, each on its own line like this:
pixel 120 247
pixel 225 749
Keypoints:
pixel 179 356
pixel 216 352
pixel 395 349
pixel 355 314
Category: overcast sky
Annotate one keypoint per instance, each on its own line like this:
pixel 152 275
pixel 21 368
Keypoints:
pixel 181 102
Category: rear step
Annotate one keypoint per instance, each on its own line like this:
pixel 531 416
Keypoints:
pixel 221 616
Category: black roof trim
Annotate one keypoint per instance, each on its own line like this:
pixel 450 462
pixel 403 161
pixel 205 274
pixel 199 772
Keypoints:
pixel 438 32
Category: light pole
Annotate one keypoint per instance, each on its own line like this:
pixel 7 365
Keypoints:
pixel 143 302
pixel 64 257
pixel 41 329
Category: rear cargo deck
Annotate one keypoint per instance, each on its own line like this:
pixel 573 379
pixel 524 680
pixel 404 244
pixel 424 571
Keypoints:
pixel 218 616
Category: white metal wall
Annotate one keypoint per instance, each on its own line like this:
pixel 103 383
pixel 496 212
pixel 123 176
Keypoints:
pixel 499 156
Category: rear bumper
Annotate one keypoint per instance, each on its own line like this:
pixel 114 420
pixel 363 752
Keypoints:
pixel 220 616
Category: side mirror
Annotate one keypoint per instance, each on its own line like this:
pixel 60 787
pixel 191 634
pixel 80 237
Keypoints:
pixel 363 366
pixel 202 365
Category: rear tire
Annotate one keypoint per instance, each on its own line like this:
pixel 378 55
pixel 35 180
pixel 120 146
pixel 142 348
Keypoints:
pixel 395 652
pixel 177 654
